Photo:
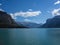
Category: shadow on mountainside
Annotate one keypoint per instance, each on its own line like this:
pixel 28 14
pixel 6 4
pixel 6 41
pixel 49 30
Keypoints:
pixel 52 23
pixel 6 21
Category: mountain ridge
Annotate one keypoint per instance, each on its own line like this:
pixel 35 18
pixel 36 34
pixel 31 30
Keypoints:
pixel 6 21
pixel 52 22
pixel 30 24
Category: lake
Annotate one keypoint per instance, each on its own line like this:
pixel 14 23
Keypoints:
pixel 30 36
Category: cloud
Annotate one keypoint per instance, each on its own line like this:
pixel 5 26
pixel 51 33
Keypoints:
pixel 58 2
pixel 12 16
pixel 0 4
pixel 1 10
pixel 29 13
pixel 27 20
pixel 56 12
pixel 30 10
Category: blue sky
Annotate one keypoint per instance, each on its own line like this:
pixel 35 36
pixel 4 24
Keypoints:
pixel 31 10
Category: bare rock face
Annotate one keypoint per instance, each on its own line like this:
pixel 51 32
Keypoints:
pixel 7 22
pixel 5 18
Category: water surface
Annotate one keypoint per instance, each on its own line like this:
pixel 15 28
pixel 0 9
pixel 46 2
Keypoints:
pixel 30 36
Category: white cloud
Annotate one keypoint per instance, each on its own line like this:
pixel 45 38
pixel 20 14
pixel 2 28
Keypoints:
pixel 27 20
pixel 1 10
pixel 30 10
pixel 29 13
pixel 12 16
pixel 58 2
pixel 56 12
pixel 0 4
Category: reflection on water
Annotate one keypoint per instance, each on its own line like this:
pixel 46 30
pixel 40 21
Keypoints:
pixel 30 36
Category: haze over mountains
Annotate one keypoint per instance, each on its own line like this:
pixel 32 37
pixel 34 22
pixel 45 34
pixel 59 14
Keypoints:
pixel 6 21
pixel 29 24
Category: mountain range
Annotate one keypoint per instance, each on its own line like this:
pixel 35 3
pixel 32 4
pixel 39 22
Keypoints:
pixel 52 22
pixel 29 24
pixel 6 21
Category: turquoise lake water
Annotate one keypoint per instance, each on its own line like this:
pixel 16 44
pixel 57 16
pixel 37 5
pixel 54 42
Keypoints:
pixel 30 36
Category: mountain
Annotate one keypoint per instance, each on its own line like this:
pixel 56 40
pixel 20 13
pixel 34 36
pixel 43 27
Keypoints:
pixel 6 21
pixel 29 24
pixel 52 23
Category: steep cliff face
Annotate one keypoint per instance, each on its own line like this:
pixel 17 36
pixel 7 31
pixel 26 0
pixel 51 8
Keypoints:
pixel 7 21
pixel 5 18
pixel 52 23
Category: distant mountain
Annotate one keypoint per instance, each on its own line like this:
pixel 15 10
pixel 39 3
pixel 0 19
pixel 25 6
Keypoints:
pixel 30 24
pixel 7 22
pixel 52 23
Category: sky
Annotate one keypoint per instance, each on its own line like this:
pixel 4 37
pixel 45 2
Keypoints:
pixel 37 11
